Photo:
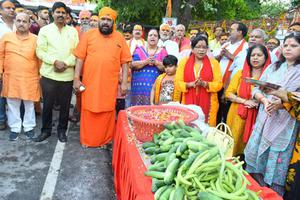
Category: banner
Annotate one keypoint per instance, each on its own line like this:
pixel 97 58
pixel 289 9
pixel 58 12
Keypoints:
pixel 73 4
pixel 171 21
pixel 67 2
pixel 270 25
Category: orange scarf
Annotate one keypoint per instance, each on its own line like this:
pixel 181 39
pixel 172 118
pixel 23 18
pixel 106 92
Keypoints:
pixel 249 114
pixel 227 72
pixel 202 97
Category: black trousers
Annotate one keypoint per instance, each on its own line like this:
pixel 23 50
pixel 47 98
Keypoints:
pixel 223 108
pixel 52 90
pixel 120 105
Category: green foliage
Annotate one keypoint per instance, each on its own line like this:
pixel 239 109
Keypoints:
pixel 295 2
pixel 100 4
pixel 151 11
pixel 145 12
pixel 230 10
pixel 273 9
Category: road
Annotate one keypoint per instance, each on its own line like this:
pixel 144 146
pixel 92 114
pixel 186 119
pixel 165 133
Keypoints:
pixel 51 170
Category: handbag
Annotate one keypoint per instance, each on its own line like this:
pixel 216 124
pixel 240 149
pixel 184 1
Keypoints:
pixel 221 136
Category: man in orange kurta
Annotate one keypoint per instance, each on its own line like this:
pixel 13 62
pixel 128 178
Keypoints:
pixel 100 54
pixel 19 69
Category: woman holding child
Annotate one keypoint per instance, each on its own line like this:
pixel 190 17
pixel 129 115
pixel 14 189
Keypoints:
pixel 199 79
pixel 146 67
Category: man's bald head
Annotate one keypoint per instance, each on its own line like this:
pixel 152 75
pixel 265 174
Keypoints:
pixel 22 23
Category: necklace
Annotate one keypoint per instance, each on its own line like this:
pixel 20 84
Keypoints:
pixel 152 54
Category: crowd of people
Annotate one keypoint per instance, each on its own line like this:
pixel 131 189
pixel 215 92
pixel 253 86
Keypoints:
pixel 48 55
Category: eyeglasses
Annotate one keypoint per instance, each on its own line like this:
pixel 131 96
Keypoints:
pixel 297 34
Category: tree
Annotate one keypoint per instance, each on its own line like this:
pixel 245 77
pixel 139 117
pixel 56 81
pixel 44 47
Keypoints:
pixel 273 8
pixel 151 12
pixel 295 3
pixel 183 10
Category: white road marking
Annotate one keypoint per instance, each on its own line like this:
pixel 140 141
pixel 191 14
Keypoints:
pixel 54 169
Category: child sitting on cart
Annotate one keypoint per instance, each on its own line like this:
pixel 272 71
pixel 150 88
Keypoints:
pixel 164 89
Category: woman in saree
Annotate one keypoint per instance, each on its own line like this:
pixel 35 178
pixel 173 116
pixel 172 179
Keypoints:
pixel 292 105
pixel 199 79
pixel 146 67
pixel 243 110
pixel 271 143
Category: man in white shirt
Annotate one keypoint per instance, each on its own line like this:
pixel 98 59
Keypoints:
pixel 232 48
pixel 165 40
pixel 257 36
pixel 7 10
pixel 137 39
pixel 226 55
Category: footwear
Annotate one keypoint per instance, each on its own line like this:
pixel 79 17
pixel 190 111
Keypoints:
pixel 62 136
pixel 43 136
pixel 73 118
pixel 13 136
pixel 2 125
pixel 29 134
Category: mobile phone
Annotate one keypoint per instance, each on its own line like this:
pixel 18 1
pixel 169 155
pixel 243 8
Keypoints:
pixel 81 88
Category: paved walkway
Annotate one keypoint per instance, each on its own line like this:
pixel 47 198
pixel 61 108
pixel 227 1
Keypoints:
pixel 54 170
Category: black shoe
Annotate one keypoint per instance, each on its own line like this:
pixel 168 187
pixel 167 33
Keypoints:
pixel 2 126
pixel 42 137
pixel 62 136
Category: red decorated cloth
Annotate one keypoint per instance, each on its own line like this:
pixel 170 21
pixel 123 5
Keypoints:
pixel 266 193
pixel 129 168
pixel 249 114
pixel 199 95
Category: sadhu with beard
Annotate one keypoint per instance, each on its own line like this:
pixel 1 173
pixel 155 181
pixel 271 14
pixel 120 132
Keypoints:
pixel 100 54
pixel 85 17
